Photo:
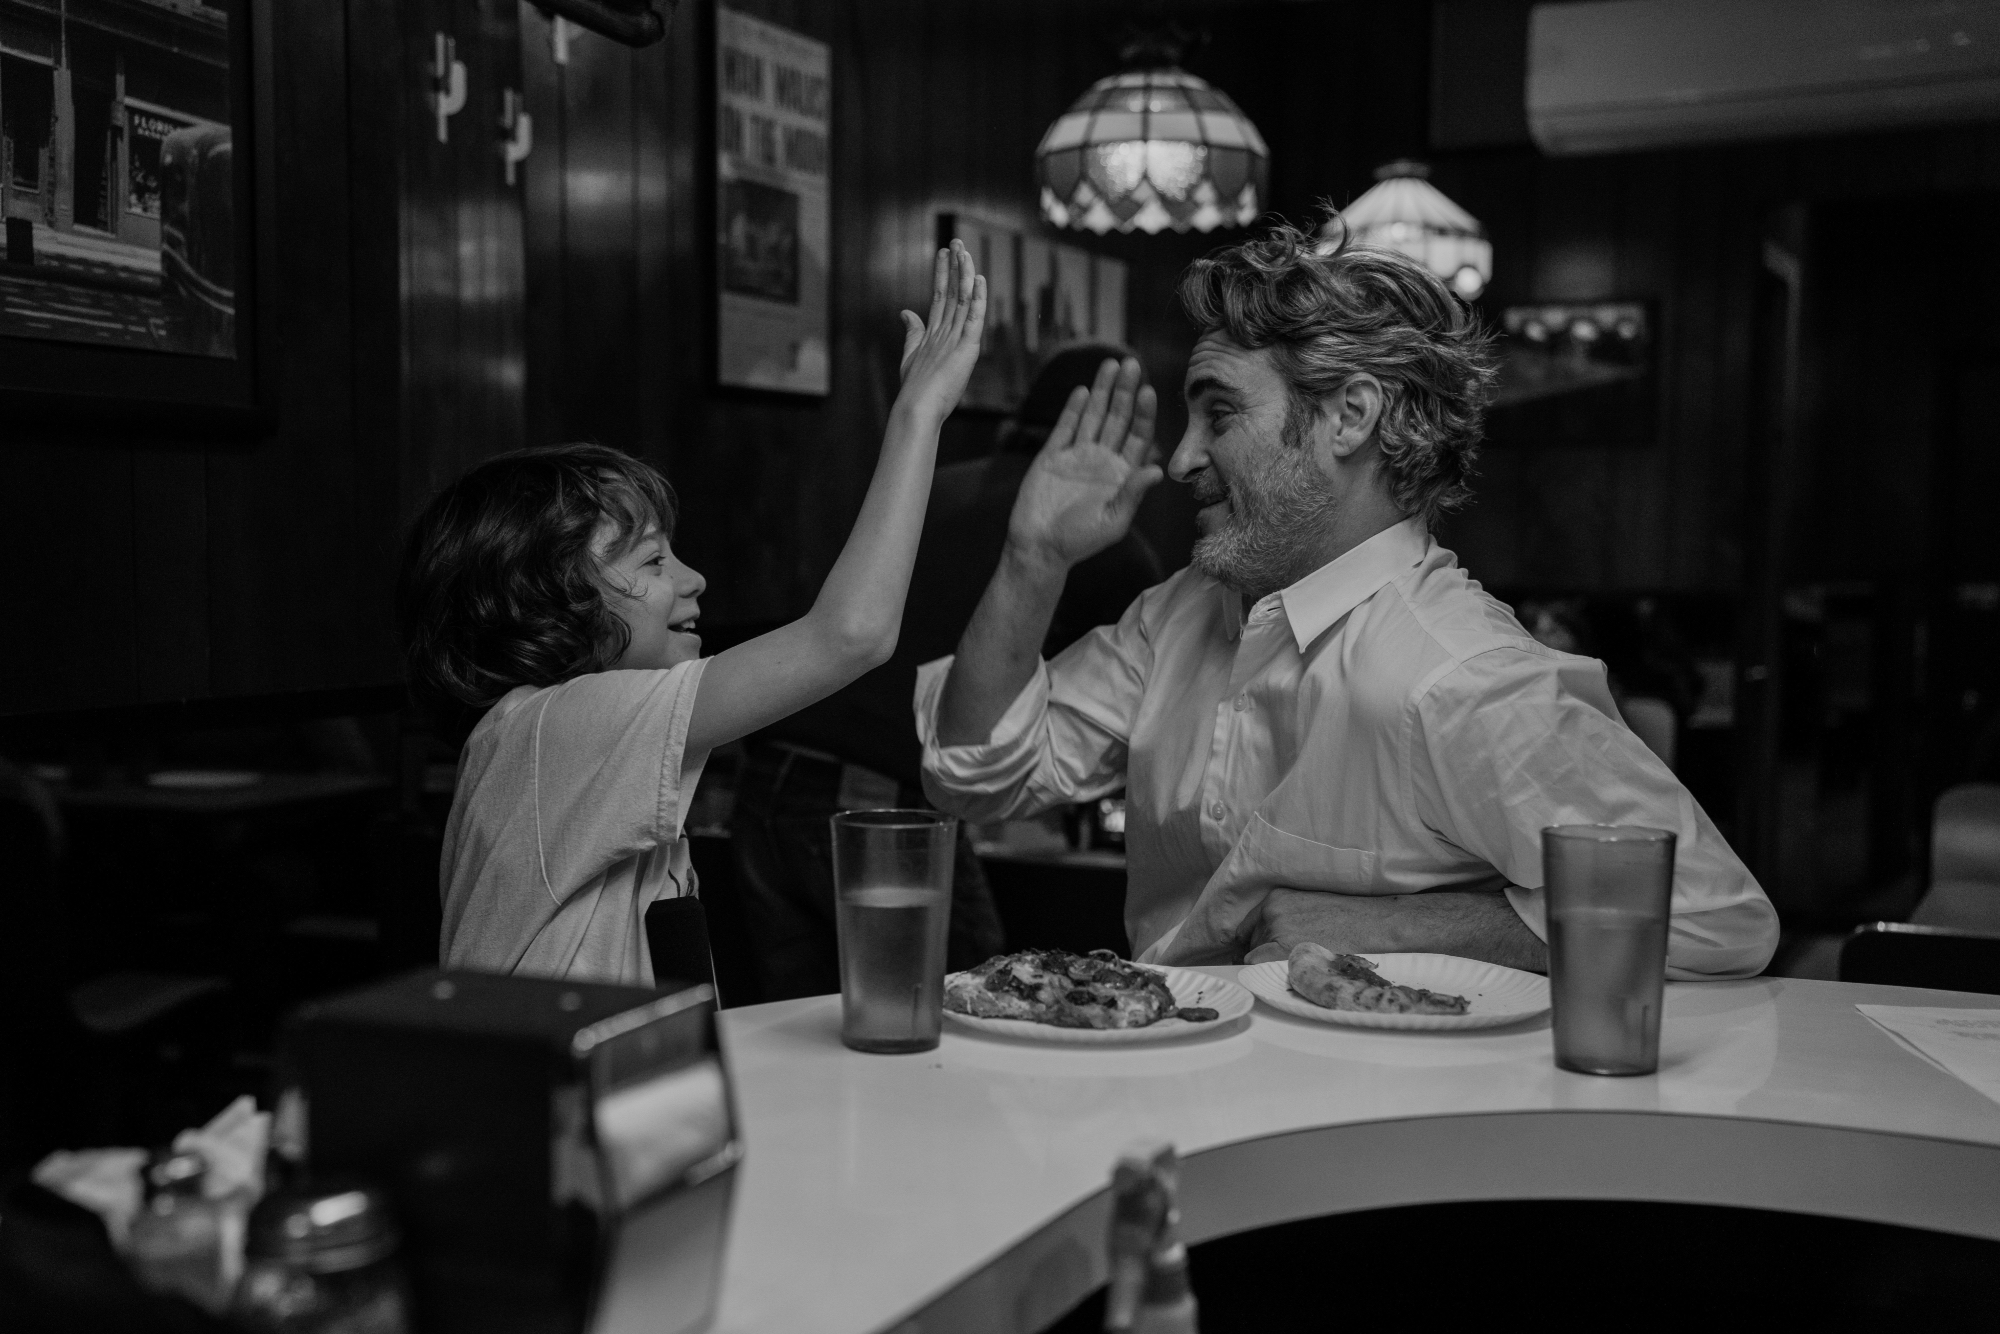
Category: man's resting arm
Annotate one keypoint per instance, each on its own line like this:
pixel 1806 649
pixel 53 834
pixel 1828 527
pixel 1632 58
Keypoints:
pixel 1471 923
pixel 1514 740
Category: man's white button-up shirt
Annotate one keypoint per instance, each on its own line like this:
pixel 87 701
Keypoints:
pixel 1382 726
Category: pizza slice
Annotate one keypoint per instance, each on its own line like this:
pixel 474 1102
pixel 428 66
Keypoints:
pixel 1347 982
pixel 1056 987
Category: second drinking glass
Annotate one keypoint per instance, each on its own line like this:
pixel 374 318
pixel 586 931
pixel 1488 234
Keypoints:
pixel 1608 889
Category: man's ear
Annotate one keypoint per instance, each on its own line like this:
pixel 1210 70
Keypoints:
pixel 1352 413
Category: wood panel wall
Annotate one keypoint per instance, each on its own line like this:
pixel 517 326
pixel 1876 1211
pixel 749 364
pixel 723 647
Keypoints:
pixel 136 570
pixel 937 109
pixel 1686 229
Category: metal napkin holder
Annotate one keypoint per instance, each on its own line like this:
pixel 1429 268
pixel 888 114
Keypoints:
pixel 561 1155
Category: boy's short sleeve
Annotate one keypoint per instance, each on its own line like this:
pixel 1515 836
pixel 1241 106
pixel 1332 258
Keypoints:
pixel 567 824
pixel 607 773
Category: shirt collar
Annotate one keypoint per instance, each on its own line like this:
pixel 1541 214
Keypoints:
pixel 1232 612
pixel 1315 602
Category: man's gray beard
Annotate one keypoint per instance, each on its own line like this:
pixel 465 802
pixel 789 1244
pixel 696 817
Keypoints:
pixel 1272 536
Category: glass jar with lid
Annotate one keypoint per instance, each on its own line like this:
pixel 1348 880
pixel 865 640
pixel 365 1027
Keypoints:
pixel 320 1258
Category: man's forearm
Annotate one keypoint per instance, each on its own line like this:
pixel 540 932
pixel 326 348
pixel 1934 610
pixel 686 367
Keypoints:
pixel 1473 924
pixel 1001 647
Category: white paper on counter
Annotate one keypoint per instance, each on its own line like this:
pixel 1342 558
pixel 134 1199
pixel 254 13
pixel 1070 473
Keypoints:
pixel 654 1131
pixel 1962 1043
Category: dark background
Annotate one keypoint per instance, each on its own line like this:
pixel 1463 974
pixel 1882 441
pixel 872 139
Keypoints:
pixel 1829 540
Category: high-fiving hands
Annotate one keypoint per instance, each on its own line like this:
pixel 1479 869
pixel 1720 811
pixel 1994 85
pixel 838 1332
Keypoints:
pixel 1086 483
pixel 939 353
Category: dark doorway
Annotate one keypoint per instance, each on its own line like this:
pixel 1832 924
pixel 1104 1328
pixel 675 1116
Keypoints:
pixel 1880 602
pixel 96 156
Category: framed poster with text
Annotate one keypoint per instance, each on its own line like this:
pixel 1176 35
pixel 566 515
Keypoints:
pixel 773 122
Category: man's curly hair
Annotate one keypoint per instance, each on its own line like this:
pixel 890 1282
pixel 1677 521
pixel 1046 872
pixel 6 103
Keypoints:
pixel 1332 311
pixel 499 585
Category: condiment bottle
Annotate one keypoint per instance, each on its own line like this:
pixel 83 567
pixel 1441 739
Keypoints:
pixel 1149 1291
pixel 321 1259
pixel 178 1240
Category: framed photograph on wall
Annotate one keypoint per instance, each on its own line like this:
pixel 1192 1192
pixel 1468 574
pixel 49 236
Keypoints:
pixel 132 272
pixel 1040 295
pixel 774 120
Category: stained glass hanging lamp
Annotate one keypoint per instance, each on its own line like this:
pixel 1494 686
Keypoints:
pixel 1152 148
pixel 1404 211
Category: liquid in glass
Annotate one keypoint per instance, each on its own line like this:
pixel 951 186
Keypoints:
pixel 891 967
pixel 1606 974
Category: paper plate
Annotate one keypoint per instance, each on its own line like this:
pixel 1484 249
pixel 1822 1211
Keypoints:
pixel 1498 995
pixel 1228 1000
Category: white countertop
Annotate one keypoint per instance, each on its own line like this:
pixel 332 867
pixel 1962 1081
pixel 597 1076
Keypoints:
pixel 964 1188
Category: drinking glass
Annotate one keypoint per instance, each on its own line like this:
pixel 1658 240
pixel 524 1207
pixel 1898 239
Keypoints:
pixel 1608 889
pixel 892 903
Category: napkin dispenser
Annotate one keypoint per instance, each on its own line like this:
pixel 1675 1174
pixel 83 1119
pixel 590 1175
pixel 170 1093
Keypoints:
pixel 557 1152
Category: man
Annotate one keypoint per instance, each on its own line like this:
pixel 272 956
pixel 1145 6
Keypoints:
pixel 857 746
pixel 1325 730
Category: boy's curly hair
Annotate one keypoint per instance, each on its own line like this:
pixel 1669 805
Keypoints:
pixel 499 586
pixel 1331 311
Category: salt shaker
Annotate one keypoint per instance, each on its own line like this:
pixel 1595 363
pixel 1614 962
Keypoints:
pixel 179 1240
pixel 320 1258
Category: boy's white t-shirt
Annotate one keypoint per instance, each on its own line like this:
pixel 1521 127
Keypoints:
pixel 567 824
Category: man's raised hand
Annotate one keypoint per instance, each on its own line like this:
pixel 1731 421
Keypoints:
pixel 1086 483
pixel 940 352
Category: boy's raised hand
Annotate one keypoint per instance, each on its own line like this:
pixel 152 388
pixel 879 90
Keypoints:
pixel 1085 485
pixel 939 353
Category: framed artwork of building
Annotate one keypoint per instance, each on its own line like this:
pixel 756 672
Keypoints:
pixel 773 127
pixel 1040 295
pixel 129 278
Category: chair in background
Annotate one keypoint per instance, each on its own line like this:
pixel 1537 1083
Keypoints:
pixel 1964 893
pixel 1899 954
pixel 407 847
pixel 88 1061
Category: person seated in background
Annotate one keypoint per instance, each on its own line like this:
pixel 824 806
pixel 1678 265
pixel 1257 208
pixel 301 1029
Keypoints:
pixel 859 747
pixel 1325 730
pixel 1655 708
pixel 542 586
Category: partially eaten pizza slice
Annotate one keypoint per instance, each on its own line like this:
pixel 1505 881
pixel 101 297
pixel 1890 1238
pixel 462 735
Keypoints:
pixel 1095 990
pixel 1347 982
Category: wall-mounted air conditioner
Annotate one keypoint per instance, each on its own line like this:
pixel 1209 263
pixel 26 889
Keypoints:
pixel 1635 74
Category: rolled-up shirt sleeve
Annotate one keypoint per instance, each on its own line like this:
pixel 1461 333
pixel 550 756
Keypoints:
pixel 1064 737
pixel 1510 742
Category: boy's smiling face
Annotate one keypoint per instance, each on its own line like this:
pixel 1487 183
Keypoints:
pixel 653 593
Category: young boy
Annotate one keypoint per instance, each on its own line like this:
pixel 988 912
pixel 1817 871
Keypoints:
pixel 542 586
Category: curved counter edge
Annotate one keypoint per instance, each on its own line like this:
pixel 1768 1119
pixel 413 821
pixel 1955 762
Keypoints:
pixel 1669 1158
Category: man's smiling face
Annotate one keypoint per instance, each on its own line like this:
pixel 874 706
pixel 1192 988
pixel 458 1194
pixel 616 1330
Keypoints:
pixel 1264 501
